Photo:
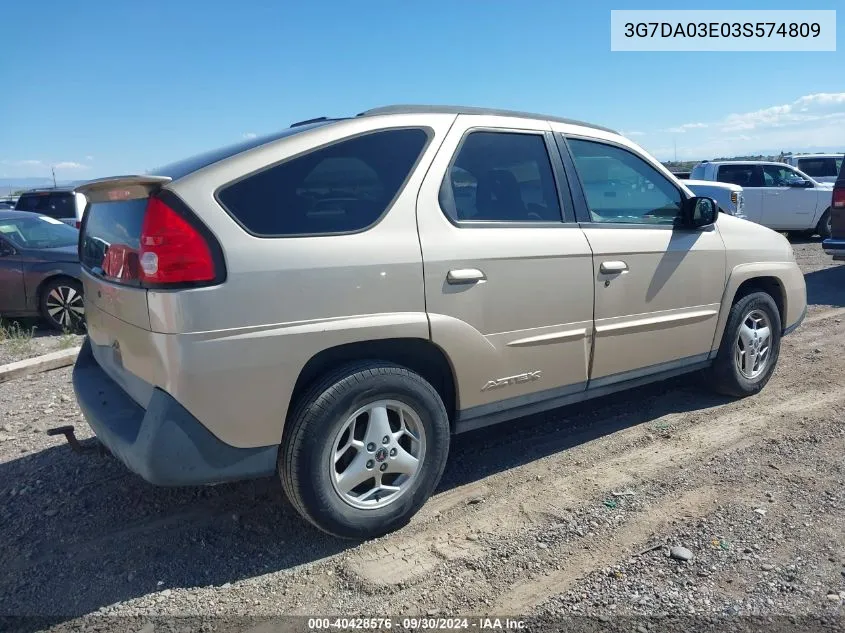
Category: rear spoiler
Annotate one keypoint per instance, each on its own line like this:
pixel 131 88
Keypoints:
pixel 116 188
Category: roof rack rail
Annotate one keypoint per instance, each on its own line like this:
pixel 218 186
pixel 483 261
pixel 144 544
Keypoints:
pixel 446 109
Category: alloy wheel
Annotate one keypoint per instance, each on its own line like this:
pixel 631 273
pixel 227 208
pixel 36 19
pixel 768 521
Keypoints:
pixel 377 454
pixel 751 348
pixel 65 306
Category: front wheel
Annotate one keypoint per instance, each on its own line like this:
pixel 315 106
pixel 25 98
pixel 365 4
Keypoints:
pixel 365 449
pixel 750 346
pixel 62 306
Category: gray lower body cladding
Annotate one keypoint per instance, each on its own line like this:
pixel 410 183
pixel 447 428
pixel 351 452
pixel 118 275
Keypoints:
pixel 163 443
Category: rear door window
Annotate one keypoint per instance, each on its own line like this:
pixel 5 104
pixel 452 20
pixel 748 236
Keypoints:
pixel 344 187
pixel 742 175
pixel 501 177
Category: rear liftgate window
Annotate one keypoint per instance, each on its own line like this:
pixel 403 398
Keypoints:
pixel 111 224
pixel 342 188
pixel 54 205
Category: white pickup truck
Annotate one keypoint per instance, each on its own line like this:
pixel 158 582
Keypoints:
pixel 728 196
pixel 776 195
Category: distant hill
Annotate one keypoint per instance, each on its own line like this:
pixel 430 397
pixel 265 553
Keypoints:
pixel 9 186
pixel 680 165
pixel 687 165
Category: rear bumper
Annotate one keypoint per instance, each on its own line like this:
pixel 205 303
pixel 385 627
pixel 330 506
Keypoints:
pixel 163 443
pixel 835 247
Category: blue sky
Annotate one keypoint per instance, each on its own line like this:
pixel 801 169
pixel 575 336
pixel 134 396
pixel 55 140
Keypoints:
pixel 102 87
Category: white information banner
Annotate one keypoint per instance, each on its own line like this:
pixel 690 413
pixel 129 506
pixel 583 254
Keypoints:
pixel 723 30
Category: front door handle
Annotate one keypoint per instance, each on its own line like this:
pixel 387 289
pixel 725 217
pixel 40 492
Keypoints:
pixel 465 276
pixel 613 268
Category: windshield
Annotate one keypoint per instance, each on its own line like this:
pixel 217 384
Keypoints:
pixel 38 232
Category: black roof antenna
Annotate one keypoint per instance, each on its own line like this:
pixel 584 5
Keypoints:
pixel 307 121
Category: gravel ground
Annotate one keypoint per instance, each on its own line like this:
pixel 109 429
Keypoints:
pixel 27 338
pixel 570 514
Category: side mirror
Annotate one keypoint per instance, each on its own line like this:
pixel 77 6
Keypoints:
pixel 6 250
pixel 700 211
pixel 799 183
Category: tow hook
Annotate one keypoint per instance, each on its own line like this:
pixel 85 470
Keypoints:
pixel 75 445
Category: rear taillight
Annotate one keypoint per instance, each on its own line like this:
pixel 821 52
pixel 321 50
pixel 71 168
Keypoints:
pixel 839 197
pixel 172 250
pixel 77 224
pixel 734 197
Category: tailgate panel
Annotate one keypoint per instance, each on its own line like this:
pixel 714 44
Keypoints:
pixel 130 355
pixel 126 303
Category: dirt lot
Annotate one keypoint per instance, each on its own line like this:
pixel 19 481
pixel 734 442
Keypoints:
pixel 567 513
pixel 28 338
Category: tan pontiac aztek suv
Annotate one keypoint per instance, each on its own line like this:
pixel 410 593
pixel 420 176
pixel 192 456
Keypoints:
pixel 333 302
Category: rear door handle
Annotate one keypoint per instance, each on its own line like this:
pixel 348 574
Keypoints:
pixel 613 268
pixel 465 276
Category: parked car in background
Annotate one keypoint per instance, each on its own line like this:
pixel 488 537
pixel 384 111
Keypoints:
pixel 61 203
pixel 728 195
pixel 776 195
pixel 7 204
pixel 820 167
pixel 835 244
pixel 39 270
pixel 571 265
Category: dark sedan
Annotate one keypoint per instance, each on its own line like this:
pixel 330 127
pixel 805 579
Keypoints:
pixel 39 270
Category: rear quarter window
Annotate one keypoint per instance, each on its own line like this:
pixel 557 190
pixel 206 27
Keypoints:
pixel 818 167
pixel 340 188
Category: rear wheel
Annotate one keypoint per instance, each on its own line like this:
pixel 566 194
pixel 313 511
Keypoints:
pixel 750 346
pixel 365 449
pixel 824 228
pixel 62 306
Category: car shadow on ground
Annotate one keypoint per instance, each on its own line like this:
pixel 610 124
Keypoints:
pixel 798 238
pixel 826 286
pixel 85 533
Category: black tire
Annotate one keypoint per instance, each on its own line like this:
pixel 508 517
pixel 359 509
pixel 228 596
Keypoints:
pixel 823 227
pixel 305 455
pixel 59 304
pixel 727 377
